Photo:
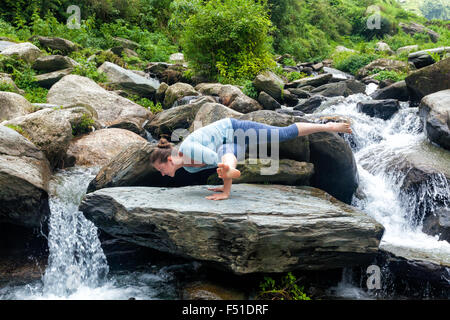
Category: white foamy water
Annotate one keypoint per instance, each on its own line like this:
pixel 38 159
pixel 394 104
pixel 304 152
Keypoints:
pixel 77 267
pixel 380 149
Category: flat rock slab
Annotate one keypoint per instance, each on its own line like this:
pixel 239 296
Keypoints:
pixel 261 228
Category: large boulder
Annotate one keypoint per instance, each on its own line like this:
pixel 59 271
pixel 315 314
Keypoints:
pixel 383 109
pixel 181 117
pixel 267 102
pixel 53 63
pixel 334 165
pixel 429 79
pixel 51 130
pixel 131 167
pixel 176 91
pixel 47 80
pixel 25 51
pixel 230 96
pixel 260 229
pixel 99 147
pixel 5 44
pixel 397 90
pixel 434 110
pixel 212 112
pixel 128 80
pixel 111 108
pixel 310 81
pixel 64 46
pixel 382 64
pixel 270 83
pixel 342 88
pixel 13 105
pixel 24 175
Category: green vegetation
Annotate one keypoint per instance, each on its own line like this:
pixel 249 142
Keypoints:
pixel 352 62
pixel 228 40
pixel 85 125
pixel 5 86
pixel 250 90
pixel 392 75
pixel 284 289
pixel 23 76
pixel 147 103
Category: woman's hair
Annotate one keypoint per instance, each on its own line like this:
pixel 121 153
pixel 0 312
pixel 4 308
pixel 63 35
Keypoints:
pixel 162 152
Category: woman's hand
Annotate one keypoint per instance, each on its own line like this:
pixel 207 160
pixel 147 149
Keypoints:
pixel 218 196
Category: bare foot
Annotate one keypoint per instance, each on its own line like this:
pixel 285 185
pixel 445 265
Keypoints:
pixel 339 127
pixel 225 172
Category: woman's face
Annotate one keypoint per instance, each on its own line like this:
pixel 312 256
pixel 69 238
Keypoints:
pixel 166 168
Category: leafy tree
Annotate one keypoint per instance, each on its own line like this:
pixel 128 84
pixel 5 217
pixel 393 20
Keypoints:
pixel 228 39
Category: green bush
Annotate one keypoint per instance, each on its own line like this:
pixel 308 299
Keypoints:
pixel 286 289
pixel 85 125
pixel 351 62
pixel 389 75
pixel 250 90
pixel 228 40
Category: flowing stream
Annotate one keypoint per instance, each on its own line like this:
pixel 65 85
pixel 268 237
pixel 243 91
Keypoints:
pixel 78 269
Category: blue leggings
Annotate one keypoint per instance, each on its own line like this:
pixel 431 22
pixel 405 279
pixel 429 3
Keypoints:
pixel 262 132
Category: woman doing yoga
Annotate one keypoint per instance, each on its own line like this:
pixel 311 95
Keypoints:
pixel 221 143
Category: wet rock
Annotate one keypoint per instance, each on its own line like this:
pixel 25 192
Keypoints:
pixel 398 91
pixel 24 175
pixel 310 81
pixel 300 93
pixel 383 109
pixel 434 110
pixel 200 290
pixel 438 224
pixel 310 105
pixel 337 75
pixel 293 228
pixel 429 79
pixel 334 165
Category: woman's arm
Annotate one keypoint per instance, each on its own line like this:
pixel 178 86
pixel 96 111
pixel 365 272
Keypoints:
pixel 226 171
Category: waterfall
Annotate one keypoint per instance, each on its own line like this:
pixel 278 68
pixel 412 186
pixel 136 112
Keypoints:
pixel 76 258
pixel 77 266
pixel 380 148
